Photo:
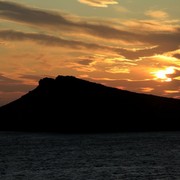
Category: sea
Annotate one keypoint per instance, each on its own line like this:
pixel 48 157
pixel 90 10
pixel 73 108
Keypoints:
pixel 118 156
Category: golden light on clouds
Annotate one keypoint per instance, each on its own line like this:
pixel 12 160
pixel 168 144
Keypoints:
pixel 163 74
pixel 171 91
pixel 117 69
pixel 146 89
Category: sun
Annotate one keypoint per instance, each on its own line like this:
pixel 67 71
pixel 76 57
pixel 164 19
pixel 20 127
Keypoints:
pixel 163 74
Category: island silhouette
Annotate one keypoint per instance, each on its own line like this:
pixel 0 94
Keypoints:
pixel 68 104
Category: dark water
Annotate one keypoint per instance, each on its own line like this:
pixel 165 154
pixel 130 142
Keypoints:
pixel 133 156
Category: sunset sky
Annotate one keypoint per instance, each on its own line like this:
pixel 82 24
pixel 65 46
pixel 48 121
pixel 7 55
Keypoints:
pixel 128 44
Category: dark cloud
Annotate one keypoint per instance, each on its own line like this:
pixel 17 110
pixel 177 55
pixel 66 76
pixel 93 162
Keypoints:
pixel 167 41
pixel 34 16
pixel 48 40
pixel 47 19
pixel 174 75
pixel 11 85
pixel 85 61
pixel 177 56
pixel 5 80
pixel 16 87
pixel 31 77
pixel 162 42
pixel 38 17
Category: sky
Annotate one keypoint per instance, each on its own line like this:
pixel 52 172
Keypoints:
pixel 127 44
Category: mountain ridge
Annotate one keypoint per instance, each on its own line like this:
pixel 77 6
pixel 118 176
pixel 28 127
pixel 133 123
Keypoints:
pixel 70 104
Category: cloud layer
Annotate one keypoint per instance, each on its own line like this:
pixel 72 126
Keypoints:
pixel 45 19
pixel 116 52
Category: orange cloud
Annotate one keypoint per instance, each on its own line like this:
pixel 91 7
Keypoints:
pixel 117 69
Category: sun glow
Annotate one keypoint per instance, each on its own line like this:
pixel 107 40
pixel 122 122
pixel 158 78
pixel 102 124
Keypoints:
pixel 163 74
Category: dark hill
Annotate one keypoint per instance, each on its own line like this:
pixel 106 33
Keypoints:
pixel 69 104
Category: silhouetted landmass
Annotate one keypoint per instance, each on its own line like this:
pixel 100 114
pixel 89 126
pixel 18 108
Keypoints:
pixel 69 104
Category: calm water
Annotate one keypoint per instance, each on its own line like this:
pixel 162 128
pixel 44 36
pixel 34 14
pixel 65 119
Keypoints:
pixel 133 156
